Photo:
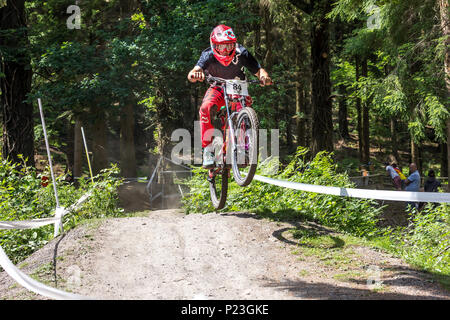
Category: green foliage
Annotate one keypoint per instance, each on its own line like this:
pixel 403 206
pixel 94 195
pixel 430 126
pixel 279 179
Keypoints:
pixel 349 215
pixel 406 69
pixel 22 197
pixel 426 241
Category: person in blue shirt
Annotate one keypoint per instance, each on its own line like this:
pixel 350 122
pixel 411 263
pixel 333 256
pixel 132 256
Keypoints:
pixel 413 183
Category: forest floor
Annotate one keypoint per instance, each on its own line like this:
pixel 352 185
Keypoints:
pixel 167 254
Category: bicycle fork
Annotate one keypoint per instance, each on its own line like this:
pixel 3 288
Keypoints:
pixel 230 121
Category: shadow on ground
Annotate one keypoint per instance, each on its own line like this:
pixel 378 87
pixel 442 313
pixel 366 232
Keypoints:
pixel 400 276
pixel 315 290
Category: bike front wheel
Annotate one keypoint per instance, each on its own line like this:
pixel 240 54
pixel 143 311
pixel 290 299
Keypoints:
pixel 245 153
pixel 218 188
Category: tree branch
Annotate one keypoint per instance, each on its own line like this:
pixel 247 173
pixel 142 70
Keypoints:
pixel 305 5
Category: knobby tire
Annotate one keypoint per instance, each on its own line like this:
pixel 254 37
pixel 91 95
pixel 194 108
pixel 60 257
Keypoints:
pixel 219 198
pixel 246 114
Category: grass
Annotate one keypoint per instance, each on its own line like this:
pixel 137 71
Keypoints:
pixel 332 250
pixel 93 223
pixel 350 276
pixel 304 273
pixel 45 274
pixel 337 251
pixel 442 279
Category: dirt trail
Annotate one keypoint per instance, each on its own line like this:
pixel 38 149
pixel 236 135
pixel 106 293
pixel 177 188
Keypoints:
pixel 169 255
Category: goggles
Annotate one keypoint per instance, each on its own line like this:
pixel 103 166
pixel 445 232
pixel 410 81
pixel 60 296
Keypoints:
pixel 225 47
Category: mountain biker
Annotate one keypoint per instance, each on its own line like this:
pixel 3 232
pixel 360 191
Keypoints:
pixel 226 59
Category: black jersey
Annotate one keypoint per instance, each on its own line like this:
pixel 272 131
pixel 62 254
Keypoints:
pixel 242 59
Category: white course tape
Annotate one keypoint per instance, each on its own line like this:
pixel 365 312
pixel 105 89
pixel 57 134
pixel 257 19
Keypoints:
pixel 80 201
pixel 34 285
pixel 27 224
pixel 22 278
pixel 36 223
pixel 407 196
pixel 59 213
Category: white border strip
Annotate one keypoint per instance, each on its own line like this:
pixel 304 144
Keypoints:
pixel 407 196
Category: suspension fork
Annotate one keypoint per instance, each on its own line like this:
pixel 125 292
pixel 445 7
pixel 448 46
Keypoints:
pixel 229 119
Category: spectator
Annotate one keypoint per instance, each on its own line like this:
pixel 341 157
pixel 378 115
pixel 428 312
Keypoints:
pixel 413 183
pixel 400 173
pixel 432 184
pixel 394 176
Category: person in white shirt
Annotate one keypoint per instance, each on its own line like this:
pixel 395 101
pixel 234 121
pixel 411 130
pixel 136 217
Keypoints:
pixel 394 176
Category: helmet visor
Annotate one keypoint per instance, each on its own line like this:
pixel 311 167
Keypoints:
pixel 225 48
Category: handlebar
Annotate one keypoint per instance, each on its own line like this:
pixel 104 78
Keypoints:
pixel 211 79
pixel 215 80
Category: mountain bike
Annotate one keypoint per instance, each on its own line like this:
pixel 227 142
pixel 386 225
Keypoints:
pixel 237 148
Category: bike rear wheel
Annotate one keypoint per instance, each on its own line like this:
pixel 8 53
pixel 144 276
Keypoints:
pixel 245 155
pixel 218 188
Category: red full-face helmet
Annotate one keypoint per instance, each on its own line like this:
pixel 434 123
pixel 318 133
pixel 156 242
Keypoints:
pixel 223 44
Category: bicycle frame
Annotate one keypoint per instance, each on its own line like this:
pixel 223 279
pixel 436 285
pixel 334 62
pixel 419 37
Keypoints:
pixel 230 114
pixel 236 120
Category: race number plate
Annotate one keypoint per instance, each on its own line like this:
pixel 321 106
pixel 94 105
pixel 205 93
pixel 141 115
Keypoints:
pixel 237 87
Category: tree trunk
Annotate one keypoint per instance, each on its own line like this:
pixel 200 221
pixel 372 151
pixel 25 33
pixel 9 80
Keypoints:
pixel 358 114
pixel 448 153
pixel 127 147
pixel 288 118
pixel 444 159
pixel 445 25
pixel 394 142
pixel 300 114
pixel 69 149
pixel 322 124
pixel 257 40
pixel 365 122
pixel 18 126
pixel 339 34
pixel 343 114
pixel 308 117
pixel 268 25
pixel 78 149
pixel 99 143
pixel 416 155
pixel 300 111
pixel 163 126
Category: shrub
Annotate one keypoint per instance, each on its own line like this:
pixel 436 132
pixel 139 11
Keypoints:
pixel 22 197
pixel 426 241
pixel 354 216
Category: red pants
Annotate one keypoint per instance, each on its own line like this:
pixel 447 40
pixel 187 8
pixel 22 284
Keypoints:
pixel 211 104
